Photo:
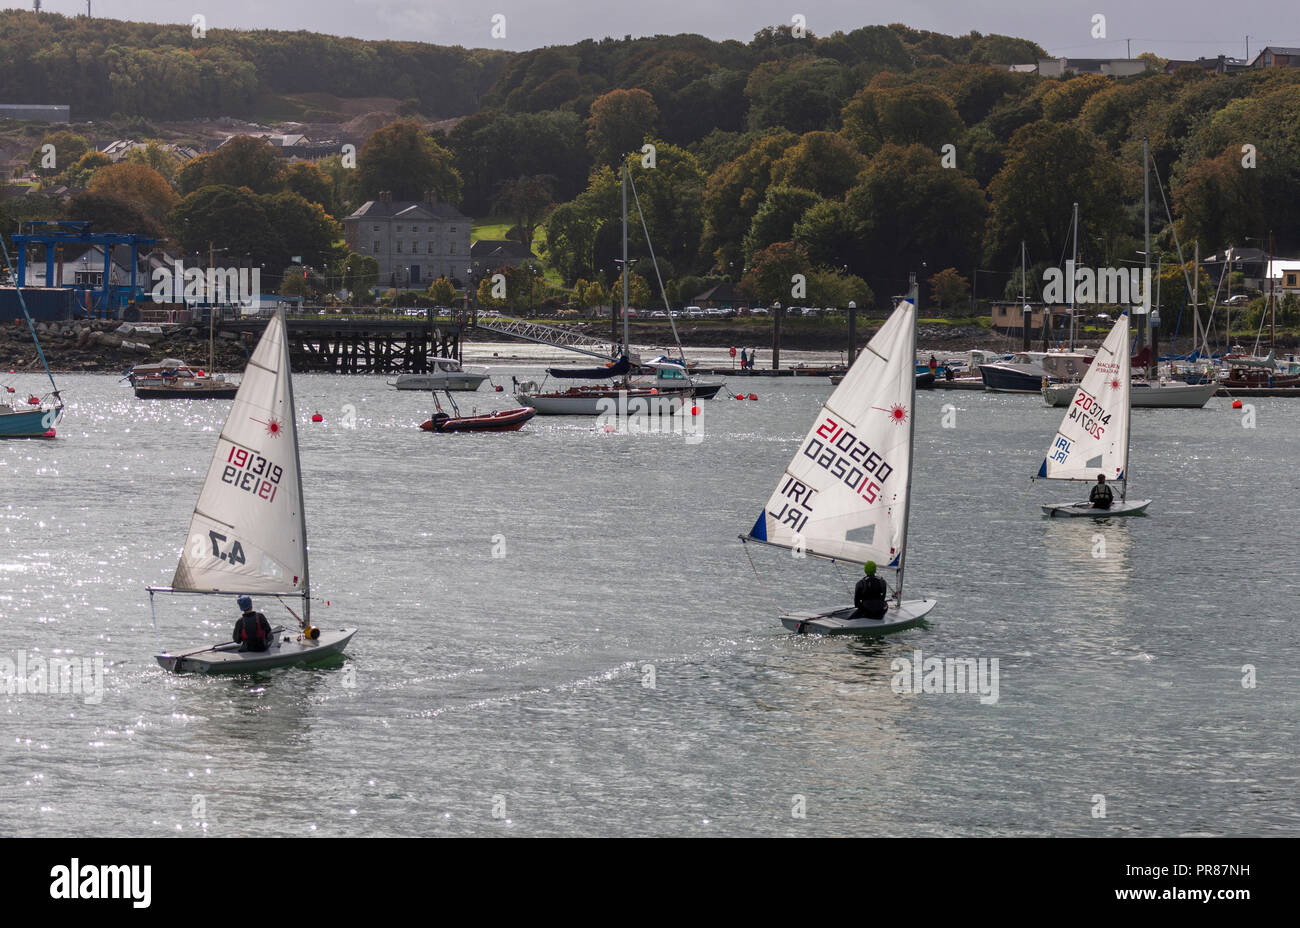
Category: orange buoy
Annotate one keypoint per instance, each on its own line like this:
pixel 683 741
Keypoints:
pixel 317 417
pixel 1236 404
pixel 753 396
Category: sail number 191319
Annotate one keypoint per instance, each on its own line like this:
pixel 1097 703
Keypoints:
pixel 246 470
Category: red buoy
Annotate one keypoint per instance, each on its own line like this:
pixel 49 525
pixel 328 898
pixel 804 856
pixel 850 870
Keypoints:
pixel 753 396
pixel 498 388
pixel 317 417
pixel 9 389
pixel 1236 404
pixel 695 410
pixel 740 396
pixel 33 401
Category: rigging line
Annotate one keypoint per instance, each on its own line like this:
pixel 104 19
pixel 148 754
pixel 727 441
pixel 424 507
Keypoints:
pixel 766 591
pixel 672 322
pixel 154 616
pixel 1021 502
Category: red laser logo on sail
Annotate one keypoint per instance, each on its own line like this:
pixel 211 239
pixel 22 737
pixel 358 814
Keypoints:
pixel 273 426
pixel 897 412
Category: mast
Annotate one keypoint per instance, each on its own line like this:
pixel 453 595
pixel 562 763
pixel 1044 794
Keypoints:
pixel 1075 263
pixel 1128 412
pixel 1196 299
pixel 210 320
pixel 31 326
pixel 297 460
pixel 1272 300
pixel 1146 253
pixel 626 349
pixel 912 297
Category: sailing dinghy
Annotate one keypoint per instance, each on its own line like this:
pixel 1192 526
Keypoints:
pixel 844 497
pixel 248 534
pixel 1093 437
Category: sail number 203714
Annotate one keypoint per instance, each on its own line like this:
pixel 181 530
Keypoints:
pixel 249 471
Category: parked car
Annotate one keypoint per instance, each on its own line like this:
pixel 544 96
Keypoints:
pixel 659 314
pixel 758 311
pixel 1236 299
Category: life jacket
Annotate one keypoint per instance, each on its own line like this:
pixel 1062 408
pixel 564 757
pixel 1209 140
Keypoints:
pixel 870 596
pixel 251 631
pixel 1101 493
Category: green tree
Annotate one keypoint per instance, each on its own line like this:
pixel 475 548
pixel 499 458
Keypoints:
pixel 403 160
pixel 618 123
pixel 155 156
pixel 733 194
pixel 906 115
pixel 360 277
pixel 312 184
pixel 243 161
pixel 526 200
pixel 948 288
pixel 442 292
pixel 139 184
pixel 67 148
pixel 775 220
pixel 771 275
pixel 822 162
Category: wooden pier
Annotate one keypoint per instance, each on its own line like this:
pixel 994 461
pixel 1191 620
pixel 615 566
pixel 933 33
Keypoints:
pixel 360 345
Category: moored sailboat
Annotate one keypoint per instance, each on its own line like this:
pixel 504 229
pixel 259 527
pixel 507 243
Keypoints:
pixel 36 417
pixel 248 534
pixel 845 496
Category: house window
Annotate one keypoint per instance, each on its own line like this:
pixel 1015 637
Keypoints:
pixel 376 248
pixel 431 246
pixel 451 249
pixel 376 228
pixel 399 228
pixel 431 228
pixel 453 230
pixel 89 279
pixel 399 246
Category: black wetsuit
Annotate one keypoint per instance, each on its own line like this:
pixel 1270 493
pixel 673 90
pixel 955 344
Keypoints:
pixel 1101 497
pixel 869 597
pixel 253 631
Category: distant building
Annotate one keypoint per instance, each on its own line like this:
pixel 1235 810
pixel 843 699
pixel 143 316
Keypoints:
pixel 1277 56
pixel 37 112
pixel 1111 67
pixel 292 146
pixel 1220 65
pixel 122 148
pixel 1251 263
pixel 722 296
pixel 415 243
pixel 1285 276
pixel 486 256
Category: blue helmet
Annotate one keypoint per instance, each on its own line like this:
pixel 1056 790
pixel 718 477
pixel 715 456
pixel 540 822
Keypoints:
pixel 245 603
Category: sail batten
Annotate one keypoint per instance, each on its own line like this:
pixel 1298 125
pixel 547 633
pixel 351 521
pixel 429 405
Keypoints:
pixel 246 534
pixel 1093 435
pixel 843 496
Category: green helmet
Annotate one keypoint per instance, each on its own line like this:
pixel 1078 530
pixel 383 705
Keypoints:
pixel 869 568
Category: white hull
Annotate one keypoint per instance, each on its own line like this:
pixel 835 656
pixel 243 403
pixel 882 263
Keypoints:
pixel 1132 507
pixel 906 614
pixel 287 649
pixel 1145 396
pixel 464 381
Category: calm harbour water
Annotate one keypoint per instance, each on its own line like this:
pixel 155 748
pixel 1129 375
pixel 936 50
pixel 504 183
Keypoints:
pixel 517 685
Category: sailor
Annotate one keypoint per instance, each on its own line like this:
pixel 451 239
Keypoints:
pixel 869 595
pixel 934 364
pixel 1101 497
pixel 252 631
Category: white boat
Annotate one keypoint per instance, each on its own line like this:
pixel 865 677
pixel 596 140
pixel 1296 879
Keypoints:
pixel 444 374
pixel 1093 437
pixel 1144 394
pixel 845 495
pixel 248 534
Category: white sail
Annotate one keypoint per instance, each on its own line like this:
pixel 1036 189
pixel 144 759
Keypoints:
pixel 1093 437
pixel 247 534
pixel 844 495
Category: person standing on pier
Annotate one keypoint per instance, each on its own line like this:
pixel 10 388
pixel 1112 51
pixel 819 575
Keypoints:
pixel 744 360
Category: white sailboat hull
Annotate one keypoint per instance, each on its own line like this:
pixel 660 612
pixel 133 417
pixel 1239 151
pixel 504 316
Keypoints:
pixel 288 649
pixel 1132 507
pixel 1144 396
pixel 908 613
pixel 595 404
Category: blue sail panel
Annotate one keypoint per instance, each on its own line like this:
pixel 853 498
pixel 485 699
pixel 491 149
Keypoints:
pixel 1042 468
pixel 759 531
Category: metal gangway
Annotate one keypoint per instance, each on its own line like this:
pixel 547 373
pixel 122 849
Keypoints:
pixel 555 335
